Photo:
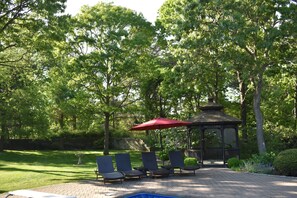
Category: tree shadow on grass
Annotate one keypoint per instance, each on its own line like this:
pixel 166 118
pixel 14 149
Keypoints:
pixel 63 163
pixel 46 158
pixel 60 172
pixel 54 176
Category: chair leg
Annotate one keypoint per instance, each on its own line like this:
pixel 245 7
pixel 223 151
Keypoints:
pixel 97 174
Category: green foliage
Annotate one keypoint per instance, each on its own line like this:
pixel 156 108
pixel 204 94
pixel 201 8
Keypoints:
pixel 163 155
pixel 22 104
pixel 248 148
pixel 119 133
pixel 265 158
pixel 237 41
pixel 233 162
pixel 280 137
pixel 248 166
pixel 150 141
pixel 252 167
pixel 285 162
pixel 190 161
pixel 99 143
pixel 111 65
pixel 29 33
pixel 174 138
pixel 259 163
pixel 24 21
pixel 106 70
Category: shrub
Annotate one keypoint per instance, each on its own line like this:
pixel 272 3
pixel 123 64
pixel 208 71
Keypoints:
pixel 285 162
pixel 249 166
pixel 264 159
pixel 252 167
pixel 190 161
pixel 233 162
pixel 151 142
pixel 259 163
pixel 163 155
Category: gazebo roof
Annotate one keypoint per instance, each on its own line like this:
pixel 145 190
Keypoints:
pixel 213 114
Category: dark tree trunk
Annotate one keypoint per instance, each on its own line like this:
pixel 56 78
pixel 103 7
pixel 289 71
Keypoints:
pixel 243 109
pixel 4 131
pixel 295 104
pixel 113 120
pixel 74 122
pixel 216 91
pixel 61 120
pixel 243 106
pixel 258 114
pixel 162 113
pixel 1 143
pixel 106 133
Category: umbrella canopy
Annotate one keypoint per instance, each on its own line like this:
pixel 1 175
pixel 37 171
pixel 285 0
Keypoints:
pixel 159 123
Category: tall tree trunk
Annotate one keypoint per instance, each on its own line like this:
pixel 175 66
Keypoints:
pixel 4 130
pixel 243 106
pixel 162 113
pixel 1 144
pixel 74 122
pixel 216 86
pixel 295 103
pixel 2 136
pixel 61 120
pixel 113 120
pixel 258 115
pixel 106 133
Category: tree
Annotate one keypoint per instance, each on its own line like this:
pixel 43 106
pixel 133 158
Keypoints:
pixel 21 20
pixel 23 27
pixel 108 42
pixel 253 33
pixel 198 71
pixel 258 31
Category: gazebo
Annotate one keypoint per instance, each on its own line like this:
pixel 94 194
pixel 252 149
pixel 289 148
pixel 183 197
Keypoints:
pixel 213 135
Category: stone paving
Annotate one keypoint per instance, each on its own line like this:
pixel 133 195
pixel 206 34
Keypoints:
pixel 208 182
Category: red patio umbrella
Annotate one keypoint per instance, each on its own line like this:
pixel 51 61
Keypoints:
pixel 160 123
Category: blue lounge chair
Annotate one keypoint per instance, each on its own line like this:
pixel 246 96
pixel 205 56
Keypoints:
pixel 177 161
pixel 123 163
pixel 149 161
pixel 106 169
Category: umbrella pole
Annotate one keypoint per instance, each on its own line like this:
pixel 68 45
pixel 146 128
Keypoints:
pixel 161 144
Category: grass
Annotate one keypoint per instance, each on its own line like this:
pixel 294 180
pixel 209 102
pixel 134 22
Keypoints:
pixel 31 169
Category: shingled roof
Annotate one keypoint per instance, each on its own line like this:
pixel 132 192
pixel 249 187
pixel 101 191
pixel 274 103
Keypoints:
pixel 213 114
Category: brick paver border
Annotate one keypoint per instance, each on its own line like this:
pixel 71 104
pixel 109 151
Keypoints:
pixel 208 182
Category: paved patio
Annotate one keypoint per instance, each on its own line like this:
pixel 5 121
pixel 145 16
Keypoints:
pixel 208 182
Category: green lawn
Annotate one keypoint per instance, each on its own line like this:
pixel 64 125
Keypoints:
pixel 29 169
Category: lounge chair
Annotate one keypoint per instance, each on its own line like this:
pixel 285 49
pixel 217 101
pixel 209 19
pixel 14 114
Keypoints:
pixel 149 161
pixel 177 161
pixel 106 169
pixel 123 163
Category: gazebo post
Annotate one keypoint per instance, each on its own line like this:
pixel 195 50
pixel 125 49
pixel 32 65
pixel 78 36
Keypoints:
pixel 237 141
pixel 223 143
pixel 202 129
pixel 189 138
